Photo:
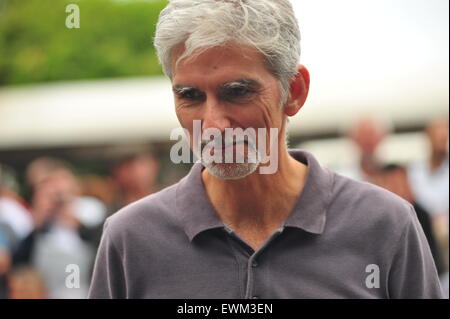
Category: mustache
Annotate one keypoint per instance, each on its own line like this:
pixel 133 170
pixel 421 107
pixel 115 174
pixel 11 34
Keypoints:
pixel 224 141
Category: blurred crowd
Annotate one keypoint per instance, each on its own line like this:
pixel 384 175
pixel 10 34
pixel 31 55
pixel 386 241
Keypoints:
pixel 61 222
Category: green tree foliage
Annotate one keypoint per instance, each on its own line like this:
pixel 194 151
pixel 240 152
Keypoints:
pixel 114 40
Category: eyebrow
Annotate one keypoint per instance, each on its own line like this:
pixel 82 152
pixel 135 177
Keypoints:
pixel 240 83
pixel 180 89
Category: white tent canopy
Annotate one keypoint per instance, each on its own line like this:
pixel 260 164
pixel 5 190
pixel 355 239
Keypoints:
pixel 86 112
pixel 385 58
pixel 141 109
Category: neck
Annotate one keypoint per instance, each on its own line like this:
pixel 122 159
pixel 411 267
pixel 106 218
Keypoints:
pixel 258 199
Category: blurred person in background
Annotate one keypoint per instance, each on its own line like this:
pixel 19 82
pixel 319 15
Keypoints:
pixel 103 188
pixel 367 133
pixel 395 179
pixel 26 283
pixel 66 227
pixel 15 223
pixel 430 178
pixel 14 211
pixel 136 177
pixel 430 182
pixel 5 259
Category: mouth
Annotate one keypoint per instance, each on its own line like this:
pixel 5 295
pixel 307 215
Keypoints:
pixel 231 145
pixel 238 147
pixel 224 146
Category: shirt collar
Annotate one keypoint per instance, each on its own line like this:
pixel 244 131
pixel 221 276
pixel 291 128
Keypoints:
pixel 194 209
pixel 309 212
pixel 196 213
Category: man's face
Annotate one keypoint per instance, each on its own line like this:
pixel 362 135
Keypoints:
pixel 227 88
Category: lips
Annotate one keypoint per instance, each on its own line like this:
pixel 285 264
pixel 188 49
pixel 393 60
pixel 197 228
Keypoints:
pixel 226 146
pixel 223 147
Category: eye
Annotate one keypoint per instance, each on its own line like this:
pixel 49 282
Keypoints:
pixel 239 91
pixel 238 94
pixel 193 95
pixel 190 94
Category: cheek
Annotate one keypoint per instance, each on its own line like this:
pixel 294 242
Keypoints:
pixel 272 115
pixel 261 114
pixel 271 112
pixel 185 118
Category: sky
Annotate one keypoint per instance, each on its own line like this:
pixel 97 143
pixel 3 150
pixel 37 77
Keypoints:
pixel 372 35
pixel 395 49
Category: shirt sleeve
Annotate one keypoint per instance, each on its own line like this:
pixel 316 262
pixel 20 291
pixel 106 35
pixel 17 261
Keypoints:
pixel 413 274
pixel 108 279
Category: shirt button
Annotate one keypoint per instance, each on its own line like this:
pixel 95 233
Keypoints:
pixel 255 297
pixel 254 264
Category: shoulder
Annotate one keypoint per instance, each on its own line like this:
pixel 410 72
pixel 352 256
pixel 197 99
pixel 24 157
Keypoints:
pixel 369 206
pixel 146 216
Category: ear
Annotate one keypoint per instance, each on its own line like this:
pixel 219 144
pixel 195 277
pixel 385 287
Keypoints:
pixel 298 91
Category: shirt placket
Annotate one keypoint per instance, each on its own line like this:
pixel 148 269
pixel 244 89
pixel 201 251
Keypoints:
pixel 252 263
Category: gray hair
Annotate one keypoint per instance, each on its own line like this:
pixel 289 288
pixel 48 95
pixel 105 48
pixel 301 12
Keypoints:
pixel 269 26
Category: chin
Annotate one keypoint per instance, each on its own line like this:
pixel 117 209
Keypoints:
pixel 231 171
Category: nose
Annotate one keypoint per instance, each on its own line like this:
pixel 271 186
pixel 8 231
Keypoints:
pixel 215 116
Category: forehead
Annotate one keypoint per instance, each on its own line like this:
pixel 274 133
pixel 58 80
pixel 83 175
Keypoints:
pixel 219 65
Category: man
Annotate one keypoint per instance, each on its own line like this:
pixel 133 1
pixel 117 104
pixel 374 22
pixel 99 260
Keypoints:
pixel 394 178
pixel 135 176
pixel 232 230
pixel 429 178
pixel 15 224
pixel 430 184
pixel 367 135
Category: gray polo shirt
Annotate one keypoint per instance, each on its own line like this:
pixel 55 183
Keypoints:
pixel 343 239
